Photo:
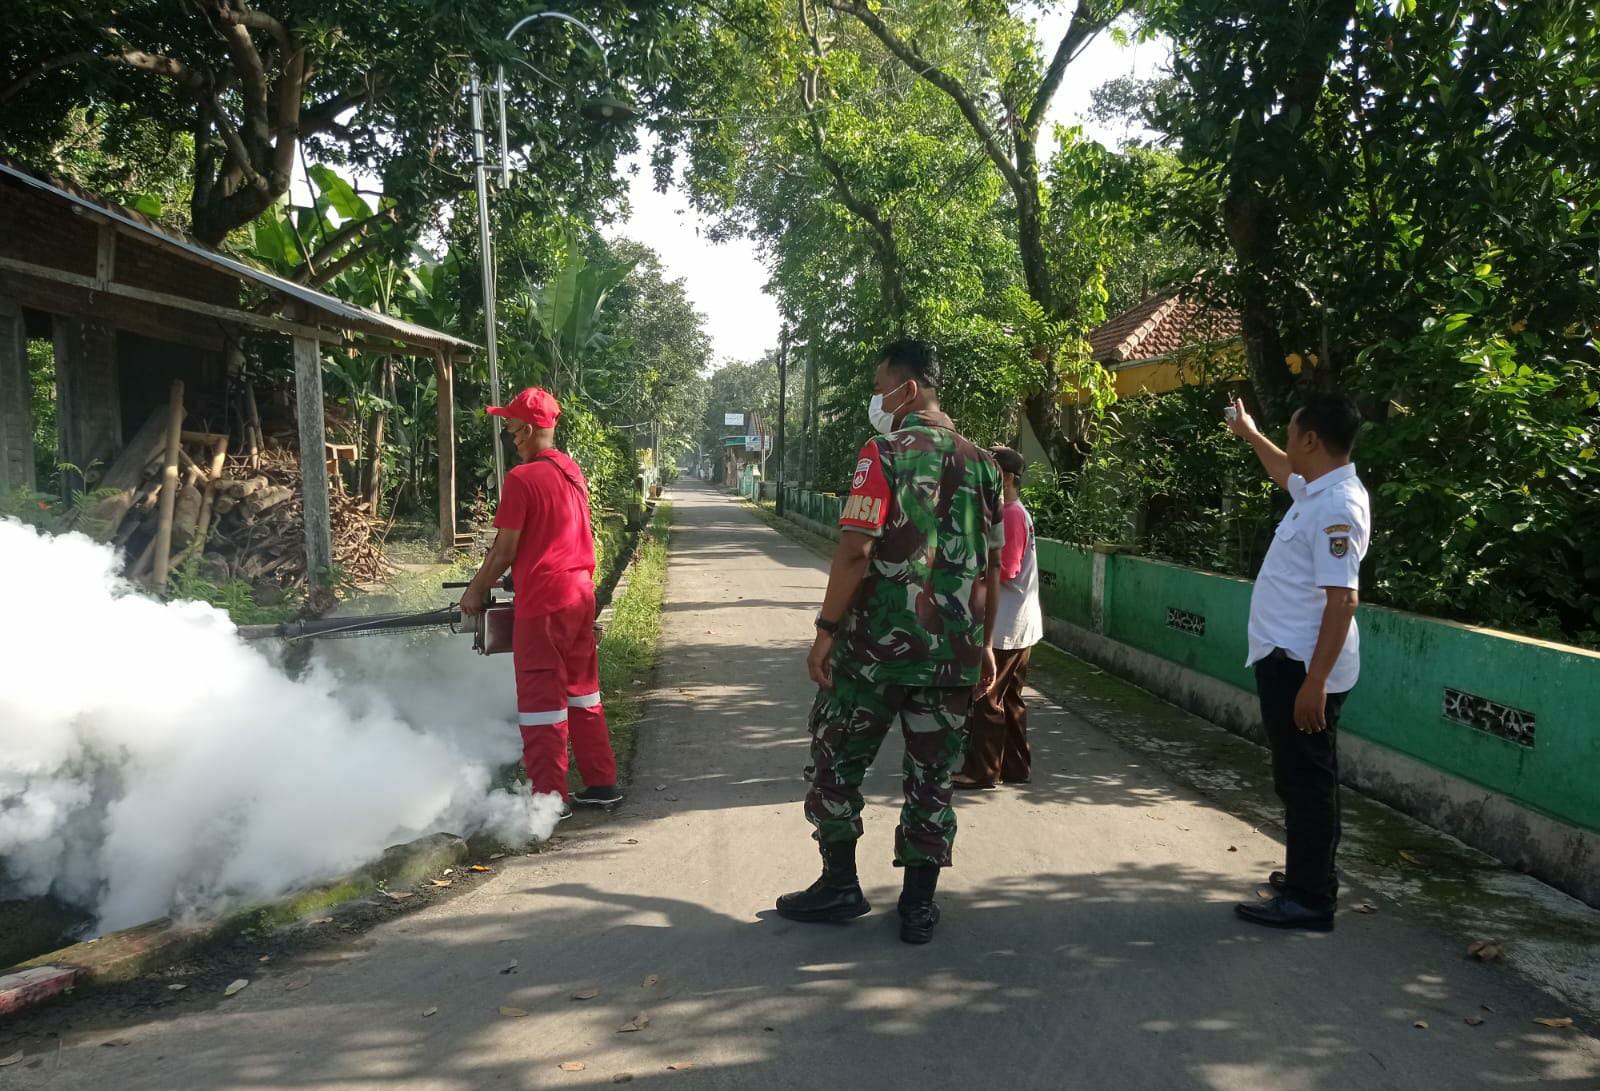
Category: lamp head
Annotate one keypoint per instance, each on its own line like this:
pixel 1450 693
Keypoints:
pixel 608 108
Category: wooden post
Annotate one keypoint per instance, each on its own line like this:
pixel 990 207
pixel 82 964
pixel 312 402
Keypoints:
pixel 313 469
pixel 253 425
pixel 447 452
pixel 169 486
pixel 16 402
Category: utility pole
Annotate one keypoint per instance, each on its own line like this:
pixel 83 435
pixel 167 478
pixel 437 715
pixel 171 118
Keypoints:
pixel 783 407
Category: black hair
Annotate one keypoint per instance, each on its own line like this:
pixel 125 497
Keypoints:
pixel 912 359
pixel 1335 419
pixel 1009 460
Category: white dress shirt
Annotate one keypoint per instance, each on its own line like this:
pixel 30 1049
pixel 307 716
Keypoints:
pixel 1319 544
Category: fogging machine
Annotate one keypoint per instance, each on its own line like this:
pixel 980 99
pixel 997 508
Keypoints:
pixel 490 630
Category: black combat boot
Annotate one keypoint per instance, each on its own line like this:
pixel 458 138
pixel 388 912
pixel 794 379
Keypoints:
pixel 836 896
pixel 918 911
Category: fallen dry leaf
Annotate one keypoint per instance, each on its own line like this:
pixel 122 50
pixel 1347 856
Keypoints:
pixel 1484 950
pixel 661 787
pixel 573 1066
pixel 399 895
pixel 7 1062
pixel 497 856
pixel 638 1022
pixel 651 981
pixel 1558 1022
pixel 321 920
pixel 177 987
pixel 510 968
pixel 586 994
pixel 512 1013
pixel 622 1077
pixel 237 986
pixel 1421 1024
pixel 448 871
pixel 264 958
pixel 1263 893
pixel 1366 907
pixel 629 841
pixel 1473 1020
pixel 297 982
pixel 442 882
pixel 679 1066
pixel 112 1042
pixel 479 867
pixel 1411 858
pixel 1233 848
pixel 429 1011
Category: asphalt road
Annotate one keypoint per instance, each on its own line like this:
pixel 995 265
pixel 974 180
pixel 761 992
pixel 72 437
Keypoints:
pixel 1087 943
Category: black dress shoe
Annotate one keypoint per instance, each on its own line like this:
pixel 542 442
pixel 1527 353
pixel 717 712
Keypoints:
pixel 1285 912
pixel 601 795
pixel 824 901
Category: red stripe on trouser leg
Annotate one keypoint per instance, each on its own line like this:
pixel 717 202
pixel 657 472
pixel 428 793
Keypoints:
pixel 558 666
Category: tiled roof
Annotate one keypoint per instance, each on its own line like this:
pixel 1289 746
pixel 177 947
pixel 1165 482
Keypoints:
pixel 1158 326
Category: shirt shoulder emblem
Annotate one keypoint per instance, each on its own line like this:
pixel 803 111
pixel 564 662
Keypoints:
pixel 1338 546
pixel 1337 528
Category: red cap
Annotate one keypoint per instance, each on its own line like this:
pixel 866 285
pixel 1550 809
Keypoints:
pixel 534 405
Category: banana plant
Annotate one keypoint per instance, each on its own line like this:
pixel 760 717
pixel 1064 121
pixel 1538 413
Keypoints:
pixel 560 320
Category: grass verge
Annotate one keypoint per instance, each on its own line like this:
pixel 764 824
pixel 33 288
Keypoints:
pixel 633 637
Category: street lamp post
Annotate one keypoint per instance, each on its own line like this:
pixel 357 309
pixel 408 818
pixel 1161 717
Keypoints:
pixel 486 251
pixel 599 110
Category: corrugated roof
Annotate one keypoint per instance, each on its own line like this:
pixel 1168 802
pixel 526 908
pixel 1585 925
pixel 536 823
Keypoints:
pixel 336 312
pixel 1159 326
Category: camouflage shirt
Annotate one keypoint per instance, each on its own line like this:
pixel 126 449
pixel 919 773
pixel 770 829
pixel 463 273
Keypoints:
pixel 932 499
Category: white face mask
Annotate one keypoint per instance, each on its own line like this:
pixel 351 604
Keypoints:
pixel 882 419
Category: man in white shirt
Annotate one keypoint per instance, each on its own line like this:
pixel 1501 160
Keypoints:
pixel 1304 645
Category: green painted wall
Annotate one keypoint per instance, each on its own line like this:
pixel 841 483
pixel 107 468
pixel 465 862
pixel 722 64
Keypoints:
pixel 1138 594
pixel 1066 577
pixel 1407 661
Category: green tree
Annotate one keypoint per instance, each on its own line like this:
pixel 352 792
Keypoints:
pixel 374 86
pixel 1408 194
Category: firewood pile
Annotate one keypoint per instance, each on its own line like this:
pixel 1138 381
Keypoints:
pixel 174 495
pixel 260 529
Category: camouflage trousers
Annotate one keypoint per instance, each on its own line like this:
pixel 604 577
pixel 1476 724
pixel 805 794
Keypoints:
pixel 848 725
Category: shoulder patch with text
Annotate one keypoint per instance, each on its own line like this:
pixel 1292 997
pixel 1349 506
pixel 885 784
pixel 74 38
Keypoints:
pixel 1337 528
pixel 867 506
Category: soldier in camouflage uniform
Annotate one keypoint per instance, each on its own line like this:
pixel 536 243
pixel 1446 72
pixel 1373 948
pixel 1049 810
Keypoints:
pixel 904 633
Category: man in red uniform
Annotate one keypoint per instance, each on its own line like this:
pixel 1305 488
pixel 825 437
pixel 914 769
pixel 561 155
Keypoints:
pixel 544 538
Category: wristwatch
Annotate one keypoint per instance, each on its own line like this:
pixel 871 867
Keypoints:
pixel 829 627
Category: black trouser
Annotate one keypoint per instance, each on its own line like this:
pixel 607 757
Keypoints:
pixel 1305 771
